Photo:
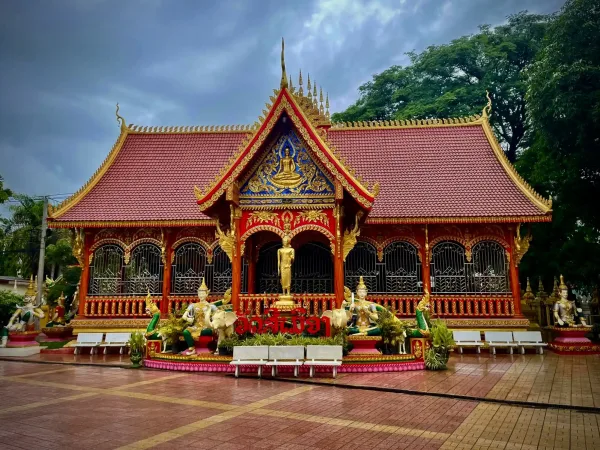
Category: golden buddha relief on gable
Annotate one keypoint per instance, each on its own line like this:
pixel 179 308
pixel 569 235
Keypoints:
pixel 287 171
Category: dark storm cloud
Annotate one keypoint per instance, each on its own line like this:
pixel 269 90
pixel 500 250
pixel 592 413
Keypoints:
pixel 64 65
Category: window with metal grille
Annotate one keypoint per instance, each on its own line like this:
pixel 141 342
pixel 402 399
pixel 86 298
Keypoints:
pixel 189 266
pixel 144 272
pixel 449 268
pixel 362 261
pixel 490 268
pixel 106 270
pixel 402 268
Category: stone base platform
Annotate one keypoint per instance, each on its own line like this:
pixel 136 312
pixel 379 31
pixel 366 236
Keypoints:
pixel 572 341
pixel 27 350
pixel 351 364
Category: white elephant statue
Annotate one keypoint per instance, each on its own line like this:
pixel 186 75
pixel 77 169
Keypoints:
pixel 222 322
pixel 338 318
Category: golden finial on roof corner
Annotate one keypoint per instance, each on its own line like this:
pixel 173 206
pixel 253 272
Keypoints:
pixel 120 119
pixel 487 109
pixel 284 81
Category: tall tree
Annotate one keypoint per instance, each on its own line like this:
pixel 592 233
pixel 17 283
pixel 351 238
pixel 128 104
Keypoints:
pixel 564 102
pixel 5 194
pixel 451 80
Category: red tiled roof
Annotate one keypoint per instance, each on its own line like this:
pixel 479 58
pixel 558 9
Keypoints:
pixel 432 172
pixel 422 172
pixel 153 177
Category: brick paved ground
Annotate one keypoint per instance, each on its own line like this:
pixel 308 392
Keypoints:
pixel 53 406
pixel 548 378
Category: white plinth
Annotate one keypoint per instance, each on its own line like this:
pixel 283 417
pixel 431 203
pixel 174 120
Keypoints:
pixel 20 351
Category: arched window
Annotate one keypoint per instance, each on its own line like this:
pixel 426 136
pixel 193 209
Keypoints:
pixel 145 271
pixel 362 261
pixel 402 268
pixel 448 268
pixel 221 273
pixel 189 266
pixel 490 268
pixel 106 270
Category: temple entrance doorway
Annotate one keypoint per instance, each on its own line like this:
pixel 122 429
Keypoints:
pixel 312 271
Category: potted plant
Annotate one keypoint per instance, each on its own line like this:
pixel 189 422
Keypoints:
pixel 392 330
pixel 436 357
pixel 136 348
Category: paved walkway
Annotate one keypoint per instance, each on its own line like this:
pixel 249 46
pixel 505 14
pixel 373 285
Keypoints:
pixel 546 379
pixel 56 406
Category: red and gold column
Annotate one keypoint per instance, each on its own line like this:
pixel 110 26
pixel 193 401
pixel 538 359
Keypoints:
pixel 236 261
pixel 338 259
pixel 167 257
pixel 85 274
pixel 425 260
pixel 515 286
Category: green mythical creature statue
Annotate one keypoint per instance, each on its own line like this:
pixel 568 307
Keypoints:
pixel 422 317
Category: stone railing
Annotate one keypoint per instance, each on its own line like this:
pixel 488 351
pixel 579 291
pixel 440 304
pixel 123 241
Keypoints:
pixel 313 303
pixel 117 307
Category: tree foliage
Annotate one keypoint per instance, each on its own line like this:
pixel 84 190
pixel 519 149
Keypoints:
pixel 5 194
pixel 451 80
pixel 564 101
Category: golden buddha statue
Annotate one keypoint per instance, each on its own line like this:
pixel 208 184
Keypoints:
pixel 566 313
pixel 285 259
pixel 286 177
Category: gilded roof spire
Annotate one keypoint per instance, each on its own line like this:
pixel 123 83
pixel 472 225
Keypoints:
pixel 327 106
pixel 120 119
pixel 487 109
pixel 284 81
pixel 301 91
pixel 315 102
pixel 308 88
pixel 290 83
pixel 321 109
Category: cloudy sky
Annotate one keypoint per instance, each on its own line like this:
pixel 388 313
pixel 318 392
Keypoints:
pixel 64 64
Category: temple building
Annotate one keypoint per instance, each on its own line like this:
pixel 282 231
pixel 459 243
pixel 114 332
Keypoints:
pixel 411 206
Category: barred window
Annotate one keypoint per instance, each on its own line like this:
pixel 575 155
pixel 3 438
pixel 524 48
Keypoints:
pixel 106 270
pixel 490 268
pixel 402 268
pixel 189 266
pixel 145 271
pixel 449 268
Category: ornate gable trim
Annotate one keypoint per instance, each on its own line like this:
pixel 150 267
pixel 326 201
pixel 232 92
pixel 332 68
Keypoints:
pixel 285 102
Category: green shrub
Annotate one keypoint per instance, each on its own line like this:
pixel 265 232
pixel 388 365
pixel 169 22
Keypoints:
pixel 136 342
pixel 288 339
pixel 436 357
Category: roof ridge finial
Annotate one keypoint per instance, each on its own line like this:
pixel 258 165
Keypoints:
pixel 284 81
pixel 308 88
pixel 120 119
pixel 487 109
pixel 300 91
pixel 327 105
pixel 315 102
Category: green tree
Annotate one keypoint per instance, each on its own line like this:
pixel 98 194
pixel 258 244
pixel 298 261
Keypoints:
pixel 564 102
pixel 451 80
pixel 5 194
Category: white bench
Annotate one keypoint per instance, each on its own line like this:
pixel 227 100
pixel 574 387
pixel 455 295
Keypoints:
pixel 467 339
pixel 92 340
pixel 323 355
pixel 529 339
pixel 116 340
pixel 499 339
pixel 285 355
pixel 250 356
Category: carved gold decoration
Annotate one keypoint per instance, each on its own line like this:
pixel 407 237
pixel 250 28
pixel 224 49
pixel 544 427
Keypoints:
pixel 78 239
pixel 312 216
pixel 226 240
pixel 287 221
pixel 238 164
pixel 263 217
pixel 350 237
pixel 521 245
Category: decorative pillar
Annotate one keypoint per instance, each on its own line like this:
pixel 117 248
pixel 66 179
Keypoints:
pixel 514 282
pixel 251 258
pixel 425 260
pixel 236 260
pixel 85 274
pixel 338 259
pixel 167 254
